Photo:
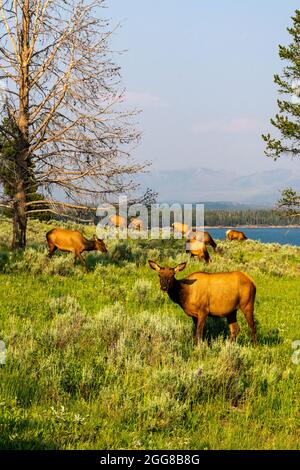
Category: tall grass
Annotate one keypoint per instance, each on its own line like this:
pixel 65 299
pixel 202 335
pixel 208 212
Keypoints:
pixel 105 360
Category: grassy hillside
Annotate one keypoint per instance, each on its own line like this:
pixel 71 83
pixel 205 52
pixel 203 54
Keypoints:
pixel 105 360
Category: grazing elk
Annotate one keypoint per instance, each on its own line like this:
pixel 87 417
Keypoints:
pixel 117 221
pixel 73 241
pixel 136 224
pixel 235 235
pixel 197 249
pixel 215 294
pixel 202 236
pixel 181 228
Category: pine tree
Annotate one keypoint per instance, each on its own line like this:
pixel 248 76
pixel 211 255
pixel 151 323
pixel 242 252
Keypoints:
pixel 290 204
pixel 287 120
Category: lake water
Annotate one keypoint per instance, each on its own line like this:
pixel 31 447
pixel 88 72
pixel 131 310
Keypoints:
pixel 284 236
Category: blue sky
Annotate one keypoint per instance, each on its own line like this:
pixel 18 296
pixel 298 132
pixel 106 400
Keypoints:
pixel 202 72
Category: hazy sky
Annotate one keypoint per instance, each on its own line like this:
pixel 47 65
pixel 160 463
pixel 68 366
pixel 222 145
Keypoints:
pixel 202 72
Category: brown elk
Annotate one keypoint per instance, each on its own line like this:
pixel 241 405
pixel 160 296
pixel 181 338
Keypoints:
pixel 202 236
pixel 181 228
pixel 215 294
pixel 73 241
pixel 136 224
pixel 117 221
pixel 197 249
pixel 235 235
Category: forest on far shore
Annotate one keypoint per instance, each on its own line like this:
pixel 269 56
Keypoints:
pixel 248 217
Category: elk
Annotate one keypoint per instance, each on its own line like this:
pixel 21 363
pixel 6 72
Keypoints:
pixel 197 249
pixel 73 241
pixel 215 294
pixel 235 235
pixel 117 221
pixel 202 236
pixel 136 224
pixel 181 228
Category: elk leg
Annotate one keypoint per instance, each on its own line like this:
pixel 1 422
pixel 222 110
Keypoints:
pixel 195 321
pixel 79 255
pixel 248 311
pixel 52 249
pixel 199 322
pixel 233 325
pixel 200 326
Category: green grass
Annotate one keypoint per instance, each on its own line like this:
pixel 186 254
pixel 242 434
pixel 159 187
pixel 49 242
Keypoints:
pixel 104 360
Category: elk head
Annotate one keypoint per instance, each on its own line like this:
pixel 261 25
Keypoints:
pixel 166 275
pixel 100 245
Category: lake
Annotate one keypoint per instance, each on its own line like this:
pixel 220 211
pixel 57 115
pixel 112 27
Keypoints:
pixel 284 236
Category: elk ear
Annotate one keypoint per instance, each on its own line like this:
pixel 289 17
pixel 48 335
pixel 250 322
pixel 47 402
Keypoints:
pixel 154 265
pixel 180 267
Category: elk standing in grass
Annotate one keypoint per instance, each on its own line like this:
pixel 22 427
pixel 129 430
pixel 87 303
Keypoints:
pixel 180 228
pixel 198 242
pixel 202 236
pixel 235 235
pixel 73 241
pixel 136 224
pixel 215 294
pixel 117 221
pixel 197 249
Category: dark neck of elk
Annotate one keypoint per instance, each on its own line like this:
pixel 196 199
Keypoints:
pixel 90 245
pixel 175 291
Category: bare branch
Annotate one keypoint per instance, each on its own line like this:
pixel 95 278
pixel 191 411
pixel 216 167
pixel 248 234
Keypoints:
pixel 65 102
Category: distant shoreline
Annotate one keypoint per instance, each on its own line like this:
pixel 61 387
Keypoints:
pixel 250 226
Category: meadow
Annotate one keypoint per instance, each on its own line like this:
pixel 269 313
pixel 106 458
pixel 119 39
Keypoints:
pixel 104 360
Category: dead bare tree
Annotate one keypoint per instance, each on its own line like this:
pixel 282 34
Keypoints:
pixel 63 100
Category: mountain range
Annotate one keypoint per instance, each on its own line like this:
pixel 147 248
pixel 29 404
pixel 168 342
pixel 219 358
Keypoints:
pixel 220 187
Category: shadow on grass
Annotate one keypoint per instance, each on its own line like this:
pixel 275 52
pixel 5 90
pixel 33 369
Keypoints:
pixel 9 443
pixel 214 328
pixel 269 338
pixel 14 426
pixel 4 257
pixel 112 259
pixel 26 444
pixel 97 259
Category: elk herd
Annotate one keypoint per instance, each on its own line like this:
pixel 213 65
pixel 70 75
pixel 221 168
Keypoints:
pixel 74 242
pixel 197 241
pixel 200 294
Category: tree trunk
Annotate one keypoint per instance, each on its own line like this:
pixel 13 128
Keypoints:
pixel 19 207
pixel 19 219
